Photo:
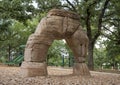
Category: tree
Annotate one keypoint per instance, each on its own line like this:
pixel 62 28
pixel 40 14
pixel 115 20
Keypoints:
pixel 14 34
pixel 112 33
pixel 113 53
pixel 14 24
pixel 4 25
pixel 20 10
pixel 92 13
pixel 100 56
pixel 16 9
pixel 17 35
pixel 113 43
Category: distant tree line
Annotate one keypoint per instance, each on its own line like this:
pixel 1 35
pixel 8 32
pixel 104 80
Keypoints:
pixel 100 19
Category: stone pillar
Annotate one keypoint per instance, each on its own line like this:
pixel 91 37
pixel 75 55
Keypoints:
pixel 31 69
pixel 35 57
pixel 81 69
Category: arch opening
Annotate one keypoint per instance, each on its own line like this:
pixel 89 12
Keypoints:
pixel 59 54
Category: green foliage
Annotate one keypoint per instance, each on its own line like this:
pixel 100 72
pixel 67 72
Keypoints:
pixel 45 5
pixel 59 54
pixel 2 59
pixel 17 35
pixel 13 35
pixel 16 9
pixel 4 26
pixel 113 52
pixel 55 53
pixel 100 57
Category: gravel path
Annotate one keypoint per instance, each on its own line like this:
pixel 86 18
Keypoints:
pixel 57 76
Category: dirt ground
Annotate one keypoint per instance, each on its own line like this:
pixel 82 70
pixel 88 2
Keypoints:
pixel 57 76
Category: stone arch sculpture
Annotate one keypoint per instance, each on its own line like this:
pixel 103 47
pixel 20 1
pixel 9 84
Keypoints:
pixel 58 24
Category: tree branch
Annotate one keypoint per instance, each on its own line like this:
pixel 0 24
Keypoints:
pixel 94 2
pixel 108 15
pixel 100 20
pixel 88 24
pixel 110 31
pixel 3 8
pixel 116 19
pixel 74 9
pixel 108 37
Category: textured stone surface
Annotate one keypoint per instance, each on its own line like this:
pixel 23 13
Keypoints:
pixel 30 69
pixel 58 24
pixel 63 13
pixel 80 69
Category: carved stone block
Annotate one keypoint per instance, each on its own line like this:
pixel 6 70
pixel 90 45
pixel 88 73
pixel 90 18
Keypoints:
pixel 81 69
pixel 30 69
pixel 36 54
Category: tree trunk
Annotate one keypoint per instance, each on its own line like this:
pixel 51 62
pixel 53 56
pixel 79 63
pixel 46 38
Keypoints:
pixel 9 53
pixel 89 33
pixel 69 61
pixel 90 56
pixel 63 63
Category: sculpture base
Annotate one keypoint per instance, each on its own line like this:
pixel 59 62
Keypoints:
pixel 32 69
pixel 81 69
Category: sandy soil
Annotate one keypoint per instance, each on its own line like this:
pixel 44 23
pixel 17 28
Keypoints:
pixel 57 76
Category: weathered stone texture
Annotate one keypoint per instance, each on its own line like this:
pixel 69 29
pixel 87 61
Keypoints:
pixel 81 69
pixel 64 13
pixel 30 69
pixel 58 24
